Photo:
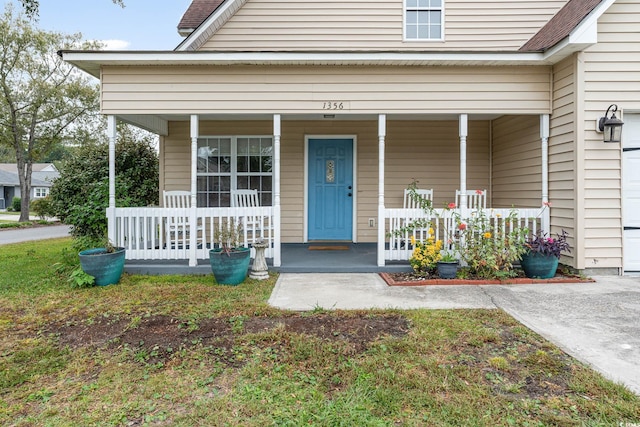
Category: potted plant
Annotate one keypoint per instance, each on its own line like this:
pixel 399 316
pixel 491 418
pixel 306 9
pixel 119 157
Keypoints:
pixel 229 261
pixel 542 253
pixel 105 263
pixel 447 266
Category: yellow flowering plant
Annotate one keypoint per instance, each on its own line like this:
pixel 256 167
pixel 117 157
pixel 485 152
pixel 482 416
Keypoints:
pixel 425 254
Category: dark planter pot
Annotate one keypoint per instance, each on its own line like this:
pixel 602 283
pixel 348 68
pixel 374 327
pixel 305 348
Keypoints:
pixel 447 270
pixel 536 265
pixel 105 267
pixel 230 268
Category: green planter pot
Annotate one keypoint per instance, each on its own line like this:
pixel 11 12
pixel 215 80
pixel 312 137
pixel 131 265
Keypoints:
pixel 230 268
pixel 105 267
pixel 447 270
pixel 536 265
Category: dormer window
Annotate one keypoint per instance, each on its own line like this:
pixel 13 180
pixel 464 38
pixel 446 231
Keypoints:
pixel 423 20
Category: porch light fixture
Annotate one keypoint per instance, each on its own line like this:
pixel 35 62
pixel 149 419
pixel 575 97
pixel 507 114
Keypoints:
pixel 611 126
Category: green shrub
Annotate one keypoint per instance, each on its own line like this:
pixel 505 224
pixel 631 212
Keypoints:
pixel 80 195
pixel 16 204
pixel 42 207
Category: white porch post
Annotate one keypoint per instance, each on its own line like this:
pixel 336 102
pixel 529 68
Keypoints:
pixel 544 136
pixel 463 158
pixel 276 190
pixel 193 217
pixel 382 133
pixel 111 210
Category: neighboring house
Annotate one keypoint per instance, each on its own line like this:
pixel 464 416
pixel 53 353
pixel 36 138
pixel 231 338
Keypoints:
pixel 42 176
pixel 331 108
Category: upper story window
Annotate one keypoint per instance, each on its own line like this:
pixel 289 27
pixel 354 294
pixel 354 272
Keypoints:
pixel 423 19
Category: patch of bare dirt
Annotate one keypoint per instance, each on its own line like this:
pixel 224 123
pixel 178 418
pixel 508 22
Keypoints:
pixel 157 337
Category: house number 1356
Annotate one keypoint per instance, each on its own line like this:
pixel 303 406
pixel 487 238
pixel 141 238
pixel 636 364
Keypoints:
pixel 333 105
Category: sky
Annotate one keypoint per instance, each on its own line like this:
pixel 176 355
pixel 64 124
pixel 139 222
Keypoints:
pixel 140 25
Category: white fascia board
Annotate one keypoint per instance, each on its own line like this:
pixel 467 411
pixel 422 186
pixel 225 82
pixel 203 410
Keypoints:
pixel 91 61
pixel 217 19
pixel 583 36
pixel 587 31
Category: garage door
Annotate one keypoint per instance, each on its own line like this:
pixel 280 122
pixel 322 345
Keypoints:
pixel 631 191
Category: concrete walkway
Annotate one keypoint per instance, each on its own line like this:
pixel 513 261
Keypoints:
pixel 17 235
pixel 597 323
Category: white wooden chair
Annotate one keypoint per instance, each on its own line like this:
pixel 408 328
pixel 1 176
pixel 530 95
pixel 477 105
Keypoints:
pixel 415 202
pixel 476 199
pixel 412 202
pixel 253 224
pixel 244 198
pixel 177 228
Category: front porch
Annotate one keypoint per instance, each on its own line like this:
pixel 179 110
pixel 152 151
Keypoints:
pixel 154 249
pixel 296 258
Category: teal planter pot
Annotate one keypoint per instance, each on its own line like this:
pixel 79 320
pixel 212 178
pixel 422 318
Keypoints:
pixel 447 270
pixel 105 267
pixel 536 265
pixel 230 268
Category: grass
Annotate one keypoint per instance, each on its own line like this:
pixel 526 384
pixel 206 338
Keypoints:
pixel 452 367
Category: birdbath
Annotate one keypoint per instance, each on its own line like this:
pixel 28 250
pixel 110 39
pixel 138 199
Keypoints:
pixel 259 270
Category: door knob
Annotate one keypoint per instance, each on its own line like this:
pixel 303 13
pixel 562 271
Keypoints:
pixel 349 194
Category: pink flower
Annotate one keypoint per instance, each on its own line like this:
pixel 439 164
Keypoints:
pixel 462 226
pixel 451 205
pixel 478 191
pixel 548 204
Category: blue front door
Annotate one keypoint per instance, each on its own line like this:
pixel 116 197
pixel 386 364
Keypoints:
pixel 330 189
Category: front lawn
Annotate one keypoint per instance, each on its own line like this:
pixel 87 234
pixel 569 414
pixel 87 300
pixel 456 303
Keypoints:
pixel 182 351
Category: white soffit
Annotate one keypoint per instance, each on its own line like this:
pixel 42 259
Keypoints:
pixel 92 61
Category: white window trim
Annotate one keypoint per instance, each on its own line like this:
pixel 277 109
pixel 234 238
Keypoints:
pixel 43 192
pixel 233 174
pixel 404 25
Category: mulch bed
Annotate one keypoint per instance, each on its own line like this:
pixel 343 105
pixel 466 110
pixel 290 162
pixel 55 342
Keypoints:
pixel 411 279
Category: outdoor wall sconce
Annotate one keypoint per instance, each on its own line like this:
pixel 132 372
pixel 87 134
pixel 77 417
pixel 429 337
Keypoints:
pixel 611 126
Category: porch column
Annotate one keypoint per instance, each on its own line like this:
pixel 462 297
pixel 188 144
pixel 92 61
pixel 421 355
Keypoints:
pixel 111 210
pixel 276 190
pixel 463 158
pixel 193 217
pixel 544 137
pixel 382 133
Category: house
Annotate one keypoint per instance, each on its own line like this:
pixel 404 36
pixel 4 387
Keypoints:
pixel 42 176
pixel 331 108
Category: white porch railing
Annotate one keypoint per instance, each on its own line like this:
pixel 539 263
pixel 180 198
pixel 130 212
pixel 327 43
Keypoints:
pixel 397 247
pixel 163 233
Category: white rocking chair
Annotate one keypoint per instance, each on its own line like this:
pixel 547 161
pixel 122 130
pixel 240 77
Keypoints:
pixel 476 199
pixel 253 224
pixel 177 228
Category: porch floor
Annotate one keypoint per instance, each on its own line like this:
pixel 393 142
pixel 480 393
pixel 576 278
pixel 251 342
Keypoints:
pixel 296 258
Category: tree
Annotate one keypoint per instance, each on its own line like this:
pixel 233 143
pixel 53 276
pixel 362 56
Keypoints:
pixel 31 7
pixel 80 195
pixel 40 96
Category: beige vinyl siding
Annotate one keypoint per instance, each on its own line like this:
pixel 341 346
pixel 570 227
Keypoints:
pixel 516 162
pixel 424 150
pixel 297 89
pixel 357 25
pixel 612 75
pixel 429 152
pixel 562 156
